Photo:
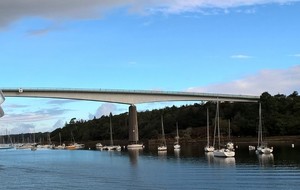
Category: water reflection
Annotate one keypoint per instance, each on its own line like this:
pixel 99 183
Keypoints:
pixel 162 153
pixel 209 157
pixel 224 162
pixel 266 160
pixel 134 156
pixel 177 153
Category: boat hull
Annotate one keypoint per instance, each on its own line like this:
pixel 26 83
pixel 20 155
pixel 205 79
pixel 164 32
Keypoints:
pixel 176 147
pixel 224 153
pixel 135 146
pixel 264 150
pixel 75 146
pixel 209 149
pixel 162 148
pixel 112 148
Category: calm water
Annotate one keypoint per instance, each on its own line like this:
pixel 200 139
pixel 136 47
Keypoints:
pixel 188 169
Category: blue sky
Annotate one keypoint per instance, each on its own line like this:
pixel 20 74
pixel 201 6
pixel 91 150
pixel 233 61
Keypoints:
pixel 224 46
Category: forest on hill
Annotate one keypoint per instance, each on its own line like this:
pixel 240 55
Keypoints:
pixel 280 116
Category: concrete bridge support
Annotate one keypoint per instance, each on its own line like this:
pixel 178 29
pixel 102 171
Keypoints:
pixel 1 101
pixel 133 125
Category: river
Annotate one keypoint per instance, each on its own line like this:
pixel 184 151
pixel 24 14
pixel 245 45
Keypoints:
pixel 190 168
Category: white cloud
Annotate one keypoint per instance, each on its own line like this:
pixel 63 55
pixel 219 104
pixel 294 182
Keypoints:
pixel 283 81
pixel 240 56
pixel 13 10
pixel 23 128
pixel 295 55
pixel 27 120
pixel 104 109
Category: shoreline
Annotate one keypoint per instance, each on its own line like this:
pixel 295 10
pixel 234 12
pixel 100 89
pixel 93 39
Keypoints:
pixel 237 140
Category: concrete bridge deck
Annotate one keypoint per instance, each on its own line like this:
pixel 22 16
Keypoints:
pixel 129 97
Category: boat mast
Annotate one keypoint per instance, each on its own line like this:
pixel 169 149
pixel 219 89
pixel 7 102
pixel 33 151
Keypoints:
pixel 110 127
pixel 207 111
pixel 177 136
pixel 215 128
pixel 218 124
pixel 259 140
pixel 59 138
pixel 229 129
pixel 163 132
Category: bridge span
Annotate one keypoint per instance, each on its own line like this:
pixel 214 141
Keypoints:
pixel 130 97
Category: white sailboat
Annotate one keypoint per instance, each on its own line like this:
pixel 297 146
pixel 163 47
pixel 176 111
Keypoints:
pixel 60 146
pixel 228 151
pixel 262 147
pixel 163 146
pixel 111 146
pixel 208 148
pixel 6 145
pixel 176 144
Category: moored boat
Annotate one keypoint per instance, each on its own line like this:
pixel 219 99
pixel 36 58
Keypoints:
pixel 228 150
pixel 135 146
pixel 262 147
pixel 176 144
pixel 111 146
pixel 208 147
pixel 163 145
pixel 75 146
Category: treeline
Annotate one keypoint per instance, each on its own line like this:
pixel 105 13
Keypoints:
pixel 280 116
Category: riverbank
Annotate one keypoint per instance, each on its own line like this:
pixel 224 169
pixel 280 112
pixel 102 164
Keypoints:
pixel 275 140
pixel 239 140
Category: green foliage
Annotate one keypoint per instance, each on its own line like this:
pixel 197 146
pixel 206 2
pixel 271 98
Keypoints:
pixel 281 116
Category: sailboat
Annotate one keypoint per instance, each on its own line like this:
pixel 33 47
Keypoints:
pixel 111 146
pixel 163 146
pixel 60 146
pixel 6 145
pixel 208 148
pixel 228 151
pixel 74 145
pixel 262 147
pixel 176 144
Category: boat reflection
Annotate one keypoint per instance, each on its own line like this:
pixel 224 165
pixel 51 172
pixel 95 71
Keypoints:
pixel 134 156
pixel 162 153
pixel 209 157
pixel 177 153
pixel 224 162
pixel 266 160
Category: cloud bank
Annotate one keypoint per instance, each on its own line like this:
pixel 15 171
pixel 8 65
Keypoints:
pixel 14 10
pixel 104 109
pixel 28 121
pixel 284 81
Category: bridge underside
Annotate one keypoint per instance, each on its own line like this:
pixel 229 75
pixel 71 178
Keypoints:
pixel 124 97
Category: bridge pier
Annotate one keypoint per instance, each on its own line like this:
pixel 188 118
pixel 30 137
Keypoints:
pixel 133 125
pixel 1 101
pixel 133 129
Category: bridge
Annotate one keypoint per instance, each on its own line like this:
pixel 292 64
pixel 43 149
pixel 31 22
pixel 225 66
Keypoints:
pixel 1 101
pixel 129 97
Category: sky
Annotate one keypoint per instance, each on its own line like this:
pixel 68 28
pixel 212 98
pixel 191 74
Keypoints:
pixel 214 46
